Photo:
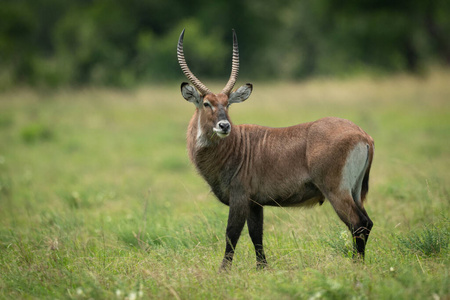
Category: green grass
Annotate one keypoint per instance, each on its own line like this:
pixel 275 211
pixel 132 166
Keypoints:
pixel 98 198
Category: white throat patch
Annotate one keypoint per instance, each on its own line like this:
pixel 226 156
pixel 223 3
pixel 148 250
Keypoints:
pixel 202 141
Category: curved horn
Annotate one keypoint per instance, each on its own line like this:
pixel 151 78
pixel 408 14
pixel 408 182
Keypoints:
pixel 184 67
pixel 234 67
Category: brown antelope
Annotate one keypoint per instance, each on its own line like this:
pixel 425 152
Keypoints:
pixel 251 166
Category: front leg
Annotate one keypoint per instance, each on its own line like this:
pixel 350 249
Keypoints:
pixel 236 220
pixel 255 229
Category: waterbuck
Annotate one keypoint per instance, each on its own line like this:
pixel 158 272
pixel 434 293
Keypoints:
pixel 251 166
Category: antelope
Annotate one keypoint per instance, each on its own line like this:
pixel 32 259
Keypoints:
pixel 251 166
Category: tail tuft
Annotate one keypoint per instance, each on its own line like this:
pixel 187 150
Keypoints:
pixel 365 182
pixel 365 185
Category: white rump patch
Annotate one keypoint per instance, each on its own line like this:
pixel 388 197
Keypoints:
pixel 354 169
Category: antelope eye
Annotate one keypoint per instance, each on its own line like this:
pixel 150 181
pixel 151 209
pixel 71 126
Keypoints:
pixel 206 104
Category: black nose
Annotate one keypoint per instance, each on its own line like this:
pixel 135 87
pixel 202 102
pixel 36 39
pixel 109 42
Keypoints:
pixel 225 126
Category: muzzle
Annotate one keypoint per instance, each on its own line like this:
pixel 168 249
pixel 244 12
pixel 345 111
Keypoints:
pixel 223 128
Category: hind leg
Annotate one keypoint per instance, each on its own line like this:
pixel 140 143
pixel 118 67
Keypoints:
pixel 361 235
pixel 356 219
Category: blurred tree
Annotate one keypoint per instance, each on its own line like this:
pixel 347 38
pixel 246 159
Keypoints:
pixel 17 40
pixel 123 43
pixel 437 25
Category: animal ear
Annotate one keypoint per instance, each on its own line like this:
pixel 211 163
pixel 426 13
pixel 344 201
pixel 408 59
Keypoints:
pixel 241 94
pixel 190 94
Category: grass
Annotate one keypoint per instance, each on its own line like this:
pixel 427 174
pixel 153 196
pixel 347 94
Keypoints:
pixel 98 198
pixel 429 241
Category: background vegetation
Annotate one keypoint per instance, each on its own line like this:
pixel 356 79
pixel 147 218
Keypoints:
pixel 123 43
pixel 98 198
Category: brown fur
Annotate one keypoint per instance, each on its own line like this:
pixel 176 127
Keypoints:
pixel 255 166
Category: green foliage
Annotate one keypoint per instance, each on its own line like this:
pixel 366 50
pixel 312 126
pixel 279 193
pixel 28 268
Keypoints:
pixel 51 43
pixel 110 207
pixel 5 179
pixel 36 132
pixel 340 240
pixel 431 240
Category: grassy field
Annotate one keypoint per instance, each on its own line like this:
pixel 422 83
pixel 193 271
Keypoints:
pixel 98 199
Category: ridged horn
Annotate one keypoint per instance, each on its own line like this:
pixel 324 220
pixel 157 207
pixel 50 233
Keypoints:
pixel 184 67
pixel 234 67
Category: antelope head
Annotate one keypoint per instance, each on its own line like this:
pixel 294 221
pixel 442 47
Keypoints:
pixel 212 108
